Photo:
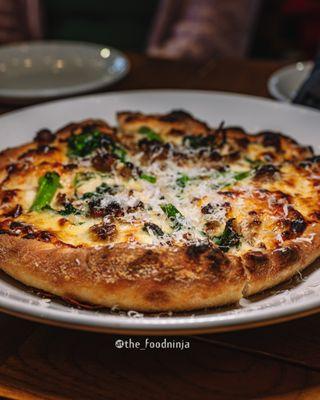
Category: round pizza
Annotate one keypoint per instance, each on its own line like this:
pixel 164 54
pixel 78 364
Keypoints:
pixel 162 212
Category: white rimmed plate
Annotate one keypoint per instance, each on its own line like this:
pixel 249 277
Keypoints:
pixel 300 297
pixel 284 83
pixel 43 69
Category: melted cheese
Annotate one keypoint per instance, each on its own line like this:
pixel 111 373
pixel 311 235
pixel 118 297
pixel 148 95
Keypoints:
pixel 188 186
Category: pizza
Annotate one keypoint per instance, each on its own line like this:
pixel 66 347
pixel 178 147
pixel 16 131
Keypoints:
pixel 162 212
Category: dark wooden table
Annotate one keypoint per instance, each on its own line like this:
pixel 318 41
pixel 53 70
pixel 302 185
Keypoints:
pixel 276 362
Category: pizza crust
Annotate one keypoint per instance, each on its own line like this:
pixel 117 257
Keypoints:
pixel 136 278
pixel 147 279
pixel 265 270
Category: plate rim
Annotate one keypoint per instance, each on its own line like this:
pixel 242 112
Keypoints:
pixel 164 325
pixel 163 332
pixel 20 94
pixel 111 93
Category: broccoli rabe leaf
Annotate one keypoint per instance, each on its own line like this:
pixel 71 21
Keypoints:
pixel 150 134
pixel 69 209
pixel 229 237
pixel 85 143
pixel 173 214
pixel 182 181
pixel 48 185
pixel 148 178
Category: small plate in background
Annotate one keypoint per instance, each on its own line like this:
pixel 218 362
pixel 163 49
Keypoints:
pixel 44 69
pixel 285 82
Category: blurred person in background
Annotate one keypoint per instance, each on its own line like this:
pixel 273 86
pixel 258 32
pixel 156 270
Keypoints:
pixel 179 29
pixel 203 29
pixel 20 20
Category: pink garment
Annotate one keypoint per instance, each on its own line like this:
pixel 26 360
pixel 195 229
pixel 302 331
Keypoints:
pixel 202 29
pixel 20 20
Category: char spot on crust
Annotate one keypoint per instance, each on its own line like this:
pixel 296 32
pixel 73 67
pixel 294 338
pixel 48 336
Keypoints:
pixel 242 142
pixel 217 258
pixel 176 116
pixel 42 149
pixel 255 260
pixel 148 259
pixel 286 256
pixel 238 129
pixel 129 116
pixel 195 251
pixel 294 224
pixel 176 132
pixel 271 139
pixel 44 136
pixel 157 296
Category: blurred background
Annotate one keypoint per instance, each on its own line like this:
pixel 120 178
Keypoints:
pixel 179 29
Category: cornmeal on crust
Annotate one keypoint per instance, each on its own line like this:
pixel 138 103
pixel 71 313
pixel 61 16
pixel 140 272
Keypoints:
pixel 162 212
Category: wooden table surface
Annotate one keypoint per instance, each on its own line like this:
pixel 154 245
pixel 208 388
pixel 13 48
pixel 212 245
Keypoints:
pixel 275 362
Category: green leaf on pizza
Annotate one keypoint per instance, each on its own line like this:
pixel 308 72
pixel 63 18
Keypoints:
pixel 229 237
pixel 199 141
pixel 150 134
pixel 182 181
pixel 100 190
pixel 148 178
pixel 174 215
pixel 88 141
pixel 84 143
pixel 47 186
pixel 69 209
pixel 82 177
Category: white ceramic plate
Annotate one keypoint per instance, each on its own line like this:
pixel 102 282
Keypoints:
pixel 300 297
pixel 285 82
pixel 57 68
